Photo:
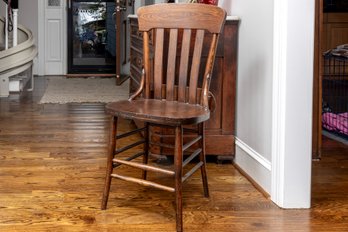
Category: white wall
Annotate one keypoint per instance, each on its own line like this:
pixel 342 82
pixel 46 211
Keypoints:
pixel 27 16
pixel 274 96
pixel 254 87
pixel 2 8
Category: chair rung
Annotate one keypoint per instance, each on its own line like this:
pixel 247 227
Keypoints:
pixel 190 130
pixel 145 167
pixel 161 125
pixel 129 133
pixel 192 156
pixel 162 145
pixel 189 144
pixel 172 135
pixel 144 182
pixel 129 146
pixel 131 158
pixel 189 173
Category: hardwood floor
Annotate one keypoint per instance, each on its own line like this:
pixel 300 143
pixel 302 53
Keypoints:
pixel 52 167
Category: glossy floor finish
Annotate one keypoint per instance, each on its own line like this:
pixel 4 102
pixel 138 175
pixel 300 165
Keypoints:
pixel 52 168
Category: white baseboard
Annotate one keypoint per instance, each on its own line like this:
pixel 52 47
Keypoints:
pixel 254 164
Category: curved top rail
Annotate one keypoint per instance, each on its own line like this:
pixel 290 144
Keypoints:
pixel 26 39
pixel 24 52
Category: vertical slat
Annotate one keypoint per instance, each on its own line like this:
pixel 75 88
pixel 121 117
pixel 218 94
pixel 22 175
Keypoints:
pixel 158 74
pixel 146 63
pixel 184 60
pixel 173 41
pixel 196 61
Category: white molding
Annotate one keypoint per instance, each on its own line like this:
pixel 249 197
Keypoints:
pixel 254 164
pixel 254 154
pixel 41 37
pixel 65 40
pixel 279 101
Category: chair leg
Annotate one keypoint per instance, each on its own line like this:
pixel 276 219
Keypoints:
pixel 201 132
pixel 109 168
pixel 146 149
pixel 178 157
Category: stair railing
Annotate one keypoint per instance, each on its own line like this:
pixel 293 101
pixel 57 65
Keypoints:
pixel 11 22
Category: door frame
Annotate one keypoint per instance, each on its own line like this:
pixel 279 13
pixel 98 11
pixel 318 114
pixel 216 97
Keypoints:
pixel 317 87
pixel 82 70
pixel 41 37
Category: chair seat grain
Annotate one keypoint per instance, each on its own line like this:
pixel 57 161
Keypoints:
pixel 159 111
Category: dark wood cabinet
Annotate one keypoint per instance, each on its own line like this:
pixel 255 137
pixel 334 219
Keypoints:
pixel 335 30
pixel 220 128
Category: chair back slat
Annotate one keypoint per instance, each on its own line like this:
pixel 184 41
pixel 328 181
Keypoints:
pixel 146 61
pixel 173 42
pixel 196 61
pixel 184 60
pixel 174 68
pixel 158 66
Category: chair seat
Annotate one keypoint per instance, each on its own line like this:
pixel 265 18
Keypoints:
pixel 161 112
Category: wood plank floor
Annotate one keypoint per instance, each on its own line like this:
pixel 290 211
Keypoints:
pixel 52 167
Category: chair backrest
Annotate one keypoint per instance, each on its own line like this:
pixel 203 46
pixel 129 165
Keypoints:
pixel 174 37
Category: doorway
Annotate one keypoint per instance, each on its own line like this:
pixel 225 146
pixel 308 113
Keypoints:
pixel 91 37
pixel 331 31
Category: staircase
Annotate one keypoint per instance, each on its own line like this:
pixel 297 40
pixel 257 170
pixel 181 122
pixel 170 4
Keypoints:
pixel 16 62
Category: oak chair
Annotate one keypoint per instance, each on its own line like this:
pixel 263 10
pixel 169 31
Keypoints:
pixel 173 93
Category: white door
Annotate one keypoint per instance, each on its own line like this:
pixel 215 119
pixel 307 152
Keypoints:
pixel 55 37
pixel 122 10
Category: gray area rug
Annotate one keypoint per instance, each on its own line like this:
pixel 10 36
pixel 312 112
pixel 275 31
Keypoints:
pixel 63 90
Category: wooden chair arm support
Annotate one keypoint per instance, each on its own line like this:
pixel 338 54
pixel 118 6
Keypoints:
pixel 141 87
pixel 212 102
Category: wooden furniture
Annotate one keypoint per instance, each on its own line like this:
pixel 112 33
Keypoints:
pixel 171 92
pixel 335 30
pixel 316 123
pixel 220 128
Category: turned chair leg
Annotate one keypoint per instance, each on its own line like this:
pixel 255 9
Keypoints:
pixel 146 148
pixel 202 159
pixel 109 168
pixel 178 157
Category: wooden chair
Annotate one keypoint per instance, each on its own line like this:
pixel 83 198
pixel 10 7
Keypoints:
pixel 171 93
